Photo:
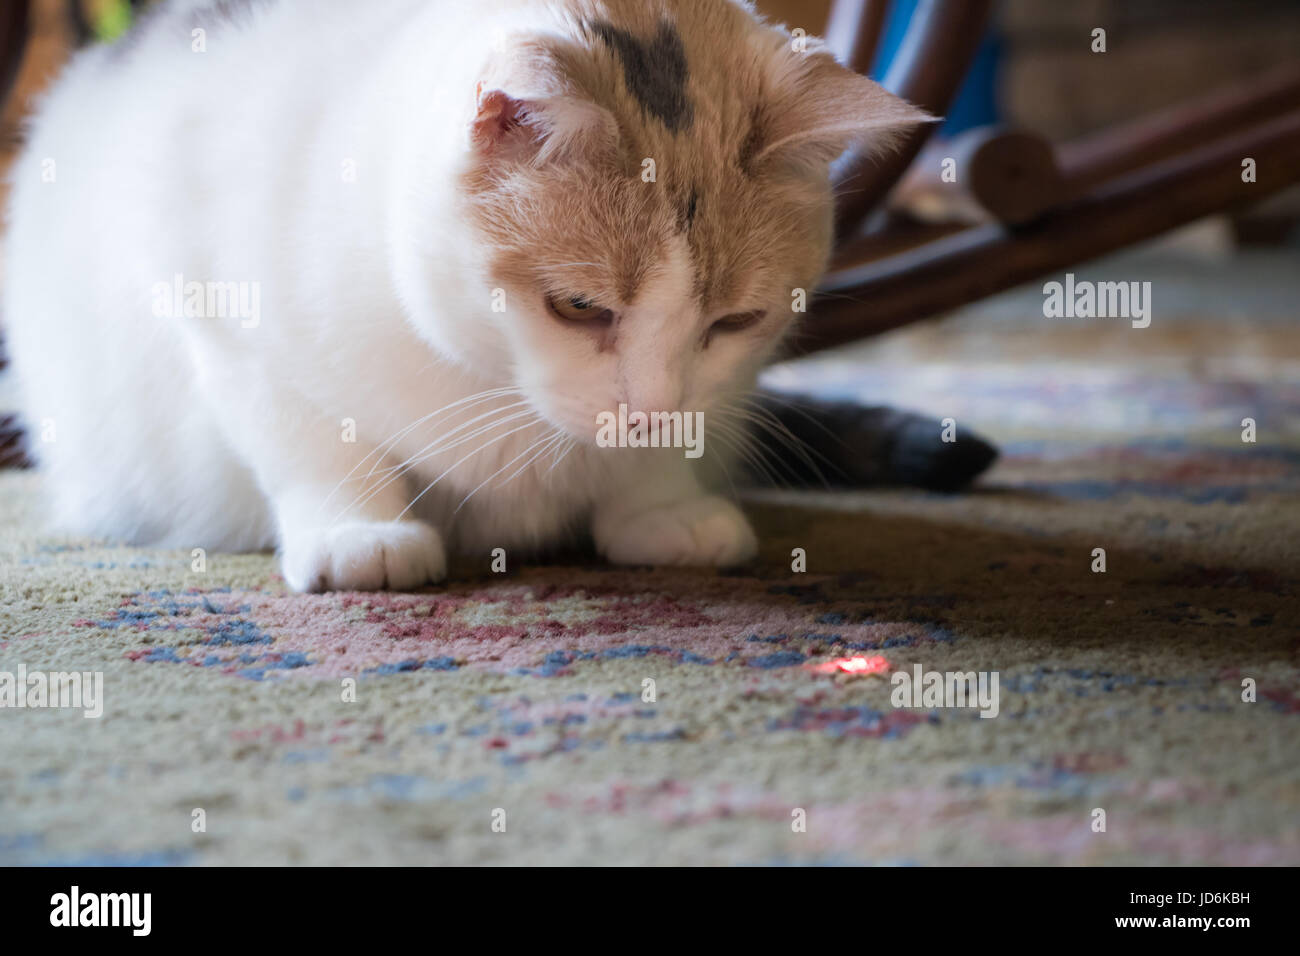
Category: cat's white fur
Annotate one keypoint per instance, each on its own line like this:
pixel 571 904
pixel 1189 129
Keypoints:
pixel 232 165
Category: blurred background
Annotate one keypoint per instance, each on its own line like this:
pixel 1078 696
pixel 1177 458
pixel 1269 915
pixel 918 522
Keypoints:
pixel 1160 52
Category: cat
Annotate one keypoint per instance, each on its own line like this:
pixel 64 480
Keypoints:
pixel 356 280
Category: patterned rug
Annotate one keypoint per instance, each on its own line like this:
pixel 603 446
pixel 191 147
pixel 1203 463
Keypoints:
pixel 580 714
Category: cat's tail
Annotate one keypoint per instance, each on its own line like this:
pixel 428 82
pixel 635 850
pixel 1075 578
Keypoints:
pixel 816 443
pixel 12 451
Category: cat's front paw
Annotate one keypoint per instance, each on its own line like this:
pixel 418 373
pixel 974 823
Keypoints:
pixel 698 531
pixel 364 556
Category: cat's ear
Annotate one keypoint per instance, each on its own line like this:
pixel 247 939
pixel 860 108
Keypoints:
pixel 528 112
pixel 818 109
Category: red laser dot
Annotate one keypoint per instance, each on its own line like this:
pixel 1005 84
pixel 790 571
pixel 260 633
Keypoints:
pixel 862 665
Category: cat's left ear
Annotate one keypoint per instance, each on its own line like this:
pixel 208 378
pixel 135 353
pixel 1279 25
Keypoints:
pixel 818 109
pixel 527 112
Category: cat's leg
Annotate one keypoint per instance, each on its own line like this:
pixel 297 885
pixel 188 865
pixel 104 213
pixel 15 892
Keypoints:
pixel 340 526
pixel 369 551
pixel 661 515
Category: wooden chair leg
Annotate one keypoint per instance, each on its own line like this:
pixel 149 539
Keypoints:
pixel 1120 149
pixel 937 52
pixel 998 173
pixel 14 19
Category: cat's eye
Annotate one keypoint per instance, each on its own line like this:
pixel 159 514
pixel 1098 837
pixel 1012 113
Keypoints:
pixel 576 308
pixel 736 323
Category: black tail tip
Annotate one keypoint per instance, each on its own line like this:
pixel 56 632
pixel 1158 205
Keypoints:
pixel 920 457
pixel 864 446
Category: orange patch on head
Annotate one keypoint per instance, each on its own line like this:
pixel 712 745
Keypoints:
pixel 654 120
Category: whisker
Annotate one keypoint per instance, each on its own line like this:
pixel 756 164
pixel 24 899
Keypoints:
pixel 474 401
pixel 493 441
pixel 725 470
pixel 555 441
pixel 742 445
pixel 545 441
pixel 568 447
pixel 750 417
pixel 437 447
pixel 780 431
pixel 381 449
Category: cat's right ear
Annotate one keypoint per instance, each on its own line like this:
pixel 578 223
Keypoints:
pixel 539 129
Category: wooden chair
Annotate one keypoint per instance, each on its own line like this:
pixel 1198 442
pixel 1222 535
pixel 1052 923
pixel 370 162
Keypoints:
pixel 1049 207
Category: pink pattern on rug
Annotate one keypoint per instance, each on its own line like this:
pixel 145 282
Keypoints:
pixel 506 627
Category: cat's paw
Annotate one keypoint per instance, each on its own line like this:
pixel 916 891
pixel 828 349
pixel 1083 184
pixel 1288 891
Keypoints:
pixel 364 556
pixel 698 531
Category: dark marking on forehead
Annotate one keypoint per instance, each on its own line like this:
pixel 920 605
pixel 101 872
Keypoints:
pixel 752 143
pixel 716 266
pixel 655 71
pixel 690 209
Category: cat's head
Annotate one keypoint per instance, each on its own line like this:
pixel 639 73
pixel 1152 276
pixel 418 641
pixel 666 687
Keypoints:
pixel 651 187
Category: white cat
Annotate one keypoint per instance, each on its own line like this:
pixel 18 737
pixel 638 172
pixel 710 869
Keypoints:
pixel 356 279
